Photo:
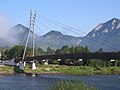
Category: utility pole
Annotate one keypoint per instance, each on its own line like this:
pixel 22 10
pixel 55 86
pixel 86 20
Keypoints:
pixel 31 30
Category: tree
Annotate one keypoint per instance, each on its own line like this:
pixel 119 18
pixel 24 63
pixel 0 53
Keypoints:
pixel 50 51
pixel 16 51
pixel 72 50
pixel 29 52
pixel 100 51
pixel 65 50
pixel 79 49
pixel 86 50
pixel 3 55
pixel 57 51
pixel 39 51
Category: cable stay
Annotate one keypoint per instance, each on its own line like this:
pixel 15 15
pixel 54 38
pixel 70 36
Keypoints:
pixel 57 30
pixel 74 30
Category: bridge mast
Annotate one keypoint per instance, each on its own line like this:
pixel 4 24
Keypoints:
pixel 31 29
pixel 32 24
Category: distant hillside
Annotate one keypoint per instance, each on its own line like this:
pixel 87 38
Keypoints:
pixel 15 36
pixel 53 39
pixel 105 35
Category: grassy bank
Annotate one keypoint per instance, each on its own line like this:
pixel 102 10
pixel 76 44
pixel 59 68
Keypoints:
pixel 74 70
pixel 6 70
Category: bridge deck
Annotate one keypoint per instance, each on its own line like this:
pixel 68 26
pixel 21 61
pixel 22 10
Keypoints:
pixel 102 56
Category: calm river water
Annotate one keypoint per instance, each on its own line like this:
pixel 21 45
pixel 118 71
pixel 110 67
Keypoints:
pixel 102 82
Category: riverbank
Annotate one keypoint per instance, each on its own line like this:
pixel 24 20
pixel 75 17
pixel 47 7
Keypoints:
pixel 6 70
pixel 73 70
pixel 58 69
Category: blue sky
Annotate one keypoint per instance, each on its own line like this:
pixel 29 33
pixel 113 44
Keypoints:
pixel 83 15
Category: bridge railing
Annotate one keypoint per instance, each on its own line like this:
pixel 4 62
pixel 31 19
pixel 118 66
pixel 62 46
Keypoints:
pixel 102 56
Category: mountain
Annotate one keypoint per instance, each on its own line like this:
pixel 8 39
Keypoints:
pixel 14 36
pixel 54 39
pixel 105 35
pixel 20 33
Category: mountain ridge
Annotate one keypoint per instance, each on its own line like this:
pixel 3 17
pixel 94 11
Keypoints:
pixel 104 35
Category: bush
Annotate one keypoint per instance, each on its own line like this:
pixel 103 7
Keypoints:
pixel 54 62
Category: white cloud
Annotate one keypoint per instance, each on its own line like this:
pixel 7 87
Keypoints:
pixel 5 34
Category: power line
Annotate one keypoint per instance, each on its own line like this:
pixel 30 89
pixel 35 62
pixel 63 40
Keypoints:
pixel 59 29
pixel 41 29
pixel 64 27
pixel 71 29
pixel 61 24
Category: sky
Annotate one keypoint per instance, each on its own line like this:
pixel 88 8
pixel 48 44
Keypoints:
pixel 83 15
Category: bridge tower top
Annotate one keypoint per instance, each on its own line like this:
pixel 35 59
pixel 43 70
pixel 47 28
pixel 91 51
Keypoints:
pixel 31 30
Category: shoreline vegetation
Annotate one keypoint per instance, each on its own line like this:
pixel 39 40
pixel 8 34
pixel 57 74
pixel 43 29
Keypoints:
pixel 66 66
pixel 71 85
pixel 73 70
pixel 59 69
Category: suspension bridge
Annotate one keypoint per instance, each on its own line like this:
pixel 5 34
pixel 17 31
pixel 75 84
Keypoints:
pixel 84 56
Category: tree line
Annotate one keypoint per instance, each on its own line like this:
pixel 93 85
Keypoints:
pixel 17 51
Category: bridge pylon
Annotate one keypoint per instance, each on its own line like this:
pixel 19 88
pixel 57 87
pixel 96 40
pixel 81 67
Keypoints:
pixel 31 30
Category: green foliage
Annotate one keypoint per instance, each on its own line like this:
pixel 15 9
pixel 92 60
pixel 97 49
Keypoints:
pixel 39 51
pixel 86 50
pixel 118 63
pixel 78 49
pixel 64 50
pixel 17 70
pixel 72 50
pixel 71 85
pixel 100 51
pixel 50 51
pixel 6 69
pixel 57 51
pixel 56 62
pixel 16 51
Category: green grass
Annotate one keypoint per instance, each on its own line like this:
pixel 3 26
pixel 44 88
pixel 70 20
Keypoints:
pixel 6 70
pixel 74 70
pixel 71 85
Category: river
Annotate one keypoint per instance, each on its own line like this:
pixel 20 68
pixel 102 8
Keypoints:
pixel 41 82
